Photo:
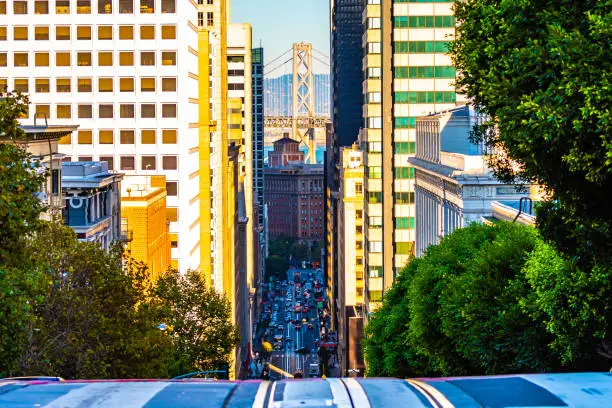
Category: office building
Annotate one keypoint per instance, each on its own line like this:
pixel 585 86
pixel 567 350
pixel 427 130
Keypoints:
pixel 144 224
pixel 406 75
pixel 454 186
pixel 257 62
pixel 126 71
pixel 92 198
pixel 294 194
pixel 346 73
pixel 349 301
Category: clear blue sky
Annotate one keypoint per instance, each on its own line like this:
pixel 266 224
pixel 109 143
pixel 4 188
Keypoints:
pixel 280 23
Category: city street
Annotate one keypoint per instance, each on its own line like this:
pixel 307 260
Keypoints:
pixel 300 329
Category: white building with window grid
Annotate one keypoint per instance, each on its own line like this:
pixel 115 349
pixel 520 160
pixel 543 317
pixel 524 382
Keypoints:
pixel 126 72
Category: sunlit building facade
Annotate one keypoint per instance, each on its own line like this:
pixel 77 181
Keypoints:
pixel 126 73
pixel 406 75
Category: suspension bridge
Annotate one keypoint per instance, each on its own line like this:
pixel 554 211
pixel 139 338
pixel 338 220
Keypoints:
pixel 301 120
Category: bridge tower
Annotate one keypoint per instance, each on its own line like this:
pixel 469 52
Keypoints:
pixel 303 99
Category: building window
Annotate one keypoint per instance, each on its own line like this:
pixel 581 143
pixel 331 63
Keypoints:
pixel 126 137
pixel 20 7
pixel 105 58
pixel 105 6
pixel 210 19
pixel 169 162
pixel 404 223
pixel 42 85
pixel 106 137
pixel 168 32
pixel 20 59
pixel 169 136
pixel 169 110
pixel 20 33
pixel 404 147
pixel 147 136
pixel 110 160
pixel 84 84
pixel 84 59
pixel 85 111
pixel 168 6
pixel 126 84
pixel 126 58
pixel 147 32
pixel 200 19
pixel 375 295
pixel 62 85
pixel 168 57
pixel 41 7
pixel 375 246
pixel 126 111
pixel 373 22
pixel 375 197
pixel 147 58
pixel 105 111
pixel 85 158
pixel 147 162
pixel 105 32
pixel 62 33
pixel 172 214
pixel 127 163
pixel 404 248
pixel 83 6
pixel 126 32
pixel 147 84
pixel 85 137
pixel 83 33
pixel 147 110
pixel 105 84
pixel 2 7
pixel 66 140
pixel 41 33
pixel 3 33
pixel 64 111
pixel 126 6
pixel 147 6
pixel 172 188
pixel 402 197
pixel 62 6
pixel 404 172
pixel 358 188
pixel 43 111
pixel 169 84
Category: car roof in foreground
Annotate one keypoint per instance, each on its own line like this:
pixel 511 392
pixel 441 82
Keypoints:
pixel 530 390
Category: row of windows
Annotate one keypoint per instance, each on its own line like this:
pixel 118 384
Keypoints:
pixel 420 47
pixel 426 97
pixel 129 162
pixel 401 248
pixel 85 6
pixel 64 85
pixel 404 172
pixel 126 137
pixel 105 32
pixel 84 59
pixel 404 147
pixel 107 111
pixel 425 72
pixel 420 1
pixel 424 22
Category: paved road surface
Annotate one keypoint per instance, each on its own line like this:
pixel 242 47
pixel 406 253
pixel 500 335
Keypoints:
pixel 287 359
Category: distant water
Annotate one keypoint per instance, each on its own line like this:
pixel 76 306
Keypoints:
pixel 320 153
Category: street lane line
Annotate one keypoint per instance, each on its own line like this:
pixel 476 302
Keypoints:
pixel 341 396
pixel 260 397
pixel 358 395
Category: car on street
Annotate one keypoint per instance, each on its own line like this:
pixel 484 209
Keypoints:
pixel 298 326
pixel 287 319
pixel 310 326
pixel 288 339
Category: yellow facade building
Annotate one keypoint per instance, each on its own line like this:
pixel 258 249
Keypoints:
pixel 144 219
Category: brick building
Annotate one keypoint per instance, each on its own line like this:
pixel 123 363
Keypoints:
pixel 286 151
pixel 294 195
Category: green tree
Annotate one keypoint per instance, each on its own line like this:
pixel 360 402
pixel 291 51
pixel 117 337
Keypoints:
pixel 489 300
pixel 20 179
pixel 280 246
pixel 93 321
pixel 542 71
pixel 198 320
